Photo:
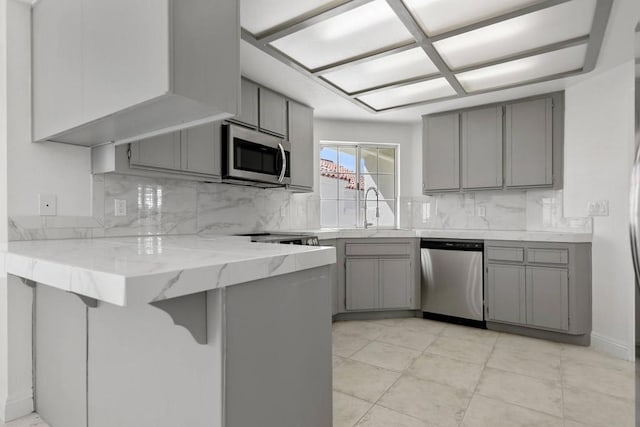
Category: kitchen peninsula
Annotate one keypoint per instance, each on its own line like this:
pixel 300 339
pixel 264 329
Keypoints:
pixel 254 331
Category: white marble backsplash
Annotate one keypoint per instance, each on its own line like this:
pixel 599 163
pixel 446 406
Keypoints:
pixel 171 206
pixel 531 210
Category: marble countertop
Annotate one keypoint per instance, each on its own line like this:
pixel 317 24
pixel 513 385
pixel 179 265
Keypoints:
pixel 517 235
pixel 132 270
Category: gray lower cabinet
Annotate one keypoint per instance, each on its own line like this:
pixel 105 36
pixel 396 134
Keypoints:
pixel 362 284
pixel 377 274
pixel 441 153
pixel 539 285
pixel 482 148
pixel 395 283
pixel 506 293
pixel 272 112
pixel 301 139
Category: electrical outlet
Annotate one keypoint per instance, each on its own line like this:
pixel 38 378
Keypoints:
pixel 283 212
pixel 598 208
pixel 426 208
pixel 482 211
pixel 47 204
pixel 120 207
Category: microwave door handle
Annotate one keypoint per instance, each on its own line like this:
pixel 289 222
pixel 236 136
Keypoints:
pixel 284 163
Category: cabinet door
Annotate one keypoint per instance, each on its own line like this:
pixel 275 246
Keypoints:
pixel 249 107
pixel 201 149
pixel 273 112
pixel 506 293
pixel 362 284
pixel 482 148
pixel 441 153
pixel 301 138
pixel 529 143
pixel 162 151
pixel 396 287
pixel 548 298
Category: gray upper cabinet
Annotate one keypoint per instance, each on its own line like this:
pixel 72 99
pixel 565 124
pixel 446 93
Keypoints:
pixel 160 71
pixel 272 112
pixel 162 152
pixel 201 150
pixel 516 145
pixel 441 153
pixel 529 143
pixel 301 138
pixel 249 107
pixel 482 148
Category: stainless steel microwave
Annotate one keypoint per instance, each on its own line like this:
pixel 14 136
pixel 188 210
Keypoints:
pixel 254 158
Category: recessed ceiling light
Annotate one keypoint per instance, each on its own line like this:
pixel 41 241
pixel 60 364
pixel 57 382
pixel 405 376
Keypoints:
pixel 361 30
pixel 388 69
pixel 258 16
pixel 438 16
pixel 416 92
pixel 555 24
pixel 523 70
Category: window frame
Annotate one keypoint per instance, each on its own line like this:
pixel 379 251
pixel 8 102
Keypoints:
pixel 359 200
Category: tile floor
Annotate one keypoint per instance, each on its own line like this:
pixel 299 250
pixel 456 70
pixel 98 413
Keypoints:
pixel 418 373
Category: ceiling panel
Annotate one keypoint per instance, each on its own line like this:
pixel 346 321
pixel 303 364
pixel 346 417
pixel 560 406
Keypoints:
pixel 361 30
pixel 388 69
pixel 439 16
pixel 523 70
pixel 258 16
pixel 563 22
pixel 423 91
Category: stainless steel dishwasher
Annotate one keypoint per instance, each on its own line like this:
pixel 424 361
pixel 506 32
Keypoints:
pixel 452 278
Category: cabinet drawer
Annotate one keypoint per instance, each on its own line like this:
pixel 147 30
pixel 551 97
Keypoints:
pixel 548 256
pixel 505 254
pixel 381 249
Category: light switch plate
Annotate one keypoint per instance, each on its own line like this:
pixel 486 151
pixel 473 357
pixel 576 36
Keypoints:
pixel 47 204
pixel 120 207
pixel 598 208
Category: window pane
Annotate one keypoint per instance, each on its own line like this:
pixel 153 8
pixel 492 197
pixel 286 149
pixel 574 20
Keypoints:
pixel 368 160
pixel 329 172
pixel 347 213
pixel 386 160
pixel 385 184
pixel 347 188
pixel 328 213
pixel 347 159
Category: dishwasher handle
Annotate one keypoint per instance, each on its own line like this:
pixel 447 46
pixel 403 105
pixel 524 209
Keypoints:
pixel 453 245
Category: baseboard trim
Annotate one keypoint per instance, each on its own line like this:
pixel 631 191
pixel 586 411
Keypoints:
pixel 611 347
pixel 11 409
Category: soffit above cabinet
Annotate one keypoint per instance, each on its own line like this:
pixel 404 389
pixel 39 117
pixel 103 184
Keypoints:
pixel 385 55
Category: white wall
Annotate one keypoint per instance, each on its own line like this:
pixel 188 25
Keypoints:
pixel 407 136
pixel 599 148
pixel 39 168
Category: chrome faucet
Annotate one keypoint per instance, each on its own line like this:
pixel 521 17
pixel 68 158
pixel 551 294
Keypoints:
pixel 366 194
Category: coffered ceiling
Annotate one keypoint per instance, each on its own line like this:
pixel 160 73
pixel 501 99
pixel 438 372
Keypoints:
pixel 386 55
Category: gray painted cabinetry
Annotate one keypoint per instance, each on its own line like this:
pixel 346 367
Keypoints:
pixel 272 112
pixel 482 148
pixel 541 286
pixel 301 139
pixel 441 156
pixel 515 144
pixel 377 274
pixel 249 107
pixel 109 76
pixel 268 348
